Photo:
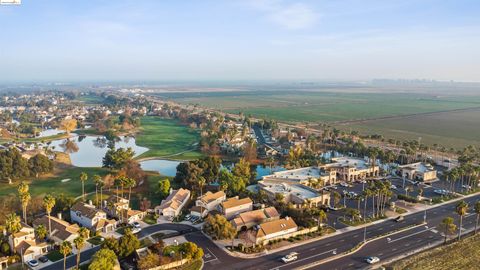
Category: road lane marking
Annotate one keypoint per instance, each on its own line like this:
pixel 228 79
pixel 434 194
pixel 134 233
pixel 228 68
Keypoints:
pixel 306 258
pixel 210 252
pixel 410 235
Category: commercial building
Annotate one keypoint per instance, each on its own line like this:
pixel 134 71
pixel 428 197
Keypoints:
pixel 351 169
pixel 418 171
pixel 297 194
pixel 312 176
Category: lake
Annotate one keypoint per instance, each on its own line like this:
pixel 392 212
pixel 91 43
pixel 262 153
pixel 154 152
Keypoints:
pixel 90 150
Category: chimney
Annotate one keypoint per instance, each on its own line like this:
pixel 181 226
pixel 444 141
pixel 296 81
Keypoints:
pixel 59 215
pixel 287 218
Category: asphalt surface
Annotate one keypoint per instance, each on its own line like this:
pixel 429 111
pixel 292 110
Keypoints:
pixel 414 236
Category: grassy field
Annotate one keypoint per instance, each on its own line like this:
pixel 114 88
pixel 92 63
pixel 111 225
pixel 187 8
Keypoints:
pixel 452 129
pixel 460 255
pixel 54 184
pixel 166 138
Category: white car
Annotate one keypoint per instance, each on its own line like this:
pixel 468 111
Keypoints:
pixel 33 263
pixel 136 224
pixel 393 187
pixel 343 184
pixel 372 260
pixel 290 257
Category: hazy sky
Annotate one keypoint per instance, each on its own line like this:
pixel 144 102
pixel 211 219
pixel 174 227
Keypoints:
pixel 240 39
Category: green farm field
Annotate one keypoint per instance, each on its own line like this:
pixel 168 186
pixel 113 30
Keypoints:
pixel 167 139
pixel 345 110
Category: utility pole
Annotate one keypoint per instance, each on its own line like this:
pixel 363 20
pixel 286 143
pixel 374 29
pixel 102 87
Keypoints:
pixel 425 214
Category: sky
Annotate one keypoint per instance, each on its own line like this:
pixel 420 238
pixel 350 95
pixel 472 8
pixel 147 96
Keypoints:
pixel 91 40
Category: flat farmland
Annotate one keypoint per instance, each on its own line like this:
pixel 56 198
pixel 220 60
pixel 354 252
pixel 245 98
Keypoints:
pixel 452 120
pixel 450 129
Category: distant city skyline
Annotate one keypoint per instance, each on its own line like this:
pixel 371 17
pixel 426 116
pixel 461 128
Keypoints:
pixel 124 40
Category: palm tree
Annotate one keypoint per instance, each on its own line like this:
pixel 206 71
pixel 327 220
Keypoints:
pixel 461 210
pixel 13 223
pixel 201 184
pixel 84 232
pixel 49 203
pixel 24 196
pixel 65 249
pixel 97 179
pixel 449 226
pixel 79 243
pixel 270 161
pixel 477 211
pixel 129 182
pixel 321 216
pixel 83 178
pixel 41 232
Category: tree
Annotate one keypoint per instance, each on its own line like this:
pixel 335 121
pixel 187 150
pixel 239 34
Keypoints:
pixel 83 179
pixel 65 250
pixel 79 243
pixel 132 169
pixel 477 211
pixel 68 125
pixel 149 261
pixel 104 259
pixel 41 232
pixel 448 226
pixel 24 197
pixel 13 223
pixel 163 188
pixel 219 228
pixel 49 203
pixel 321 217
pixel 111 243
pixel 97 179
pixel 461 210
pixel 242 169
pixel 116 159
pixel 250 150
pixel 201 184
pixel 39 164
pixel 127 244
pixel 234 183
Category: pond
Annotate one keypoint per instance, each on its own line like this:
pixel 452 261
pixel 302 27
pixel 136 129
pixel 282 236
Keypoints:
pixel 88 151
pixel 169 167
pixel 49 132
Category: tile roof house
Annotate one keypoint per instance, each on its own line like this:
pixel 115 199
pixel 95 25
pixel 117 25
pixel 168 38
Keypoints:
pixel 173 204
pixel 210 200
pixel 234 206
pixel 247 220
pixel 61 229
pixel 275 229
pixel 24 242
pixel 87 215
pixel 118 207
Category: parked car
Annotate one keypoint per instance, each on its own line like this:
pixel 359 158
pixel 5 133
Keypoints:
pixel 332 208
pixel 43 259
pixel 136 225
pixel 188 217
pixel 372 260
pixel 290 257
pixel 399 218
pixel 343 184
pixel 393 187
pixel 33 263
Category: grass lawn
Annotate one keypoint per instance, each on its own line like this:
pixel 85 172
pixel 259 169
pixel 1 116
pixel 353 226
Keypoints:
pixel 166 138
pixel 54 184
pixel 54 256
pixel 459 255
pixel 97 240
pixel 193 265
pixel 150 219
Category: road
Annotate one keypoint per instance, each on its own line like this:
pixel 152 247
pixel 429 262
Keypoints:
pixel 414 236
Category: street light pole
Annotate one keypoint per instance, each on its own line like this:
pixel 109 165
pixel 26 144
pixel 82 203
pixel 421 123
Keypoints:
pixel 425 214
pixel 365 234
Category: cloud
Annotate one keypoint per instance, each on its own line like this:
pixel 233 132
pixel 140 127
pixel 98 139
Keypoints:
pixel 290 16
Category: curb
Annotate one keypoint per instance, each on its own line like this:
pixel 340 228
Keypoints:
pixel 356 248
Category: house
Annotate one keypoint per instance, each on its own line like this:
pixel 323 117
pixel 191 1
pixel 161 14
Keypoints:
pixel 87 215
pixel 61 229
pixel 173 204
pixel 275 229
pixel 297 194
pixel 211 201
pixel 234 206
pixel 3 263
pixel 199 211
pixel 118 207
pixel 247 220
pixel 418 171
pixel 24 242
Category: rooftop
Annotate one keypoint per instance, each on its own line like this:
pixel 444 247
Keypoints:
pixel 299 175
pixel 350 162
pixel 419 166
pixel 300 191
pixel 235 201
pixel 209 196
pixel 276 226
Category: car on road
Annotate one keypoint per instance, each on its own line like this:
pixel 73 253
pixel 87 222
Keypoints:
pixel 343 184
pixel 393 187
pixel 33 263
pixel 372 260
pixel 466 187
pixel 332 208
pixel 399 218
pixel 43 259
pixel 441 191
pixel 290 257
